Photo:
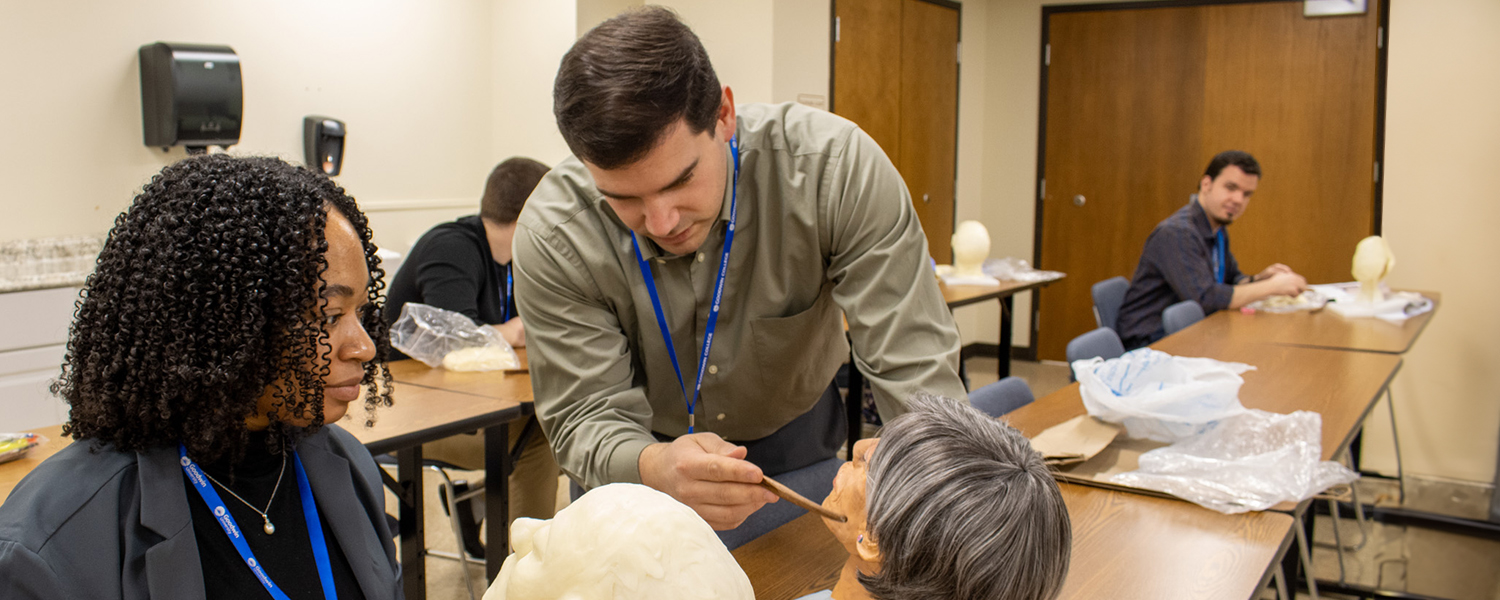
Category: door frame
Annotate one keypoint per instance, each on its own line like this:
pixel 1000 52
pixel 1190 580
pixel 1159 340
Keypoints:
pixel 958 81
pixel 1039 181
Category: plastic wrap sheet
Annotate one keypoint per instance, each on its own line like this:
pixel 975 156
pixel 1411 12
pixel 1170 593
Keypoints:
pixel 1249 462
pixel 443 338
pixel 1015 269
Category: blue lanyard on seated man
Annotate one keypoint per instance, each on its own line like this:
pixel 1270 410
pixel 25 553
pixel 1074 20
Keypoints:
pixel 713 311
pixel 1220 249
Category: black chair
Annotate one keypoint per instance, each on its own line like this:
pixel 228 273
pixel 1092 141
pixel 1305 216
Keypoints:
pixel 1108 296
pixel 1001 397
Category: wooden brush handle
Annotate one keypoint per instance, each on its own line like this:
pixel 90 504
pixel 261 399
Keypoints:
pixel 795 498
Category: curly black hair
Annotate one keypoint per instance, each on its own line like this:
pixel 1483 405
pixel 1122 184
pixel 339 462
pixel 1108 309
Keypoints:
pixel 206 292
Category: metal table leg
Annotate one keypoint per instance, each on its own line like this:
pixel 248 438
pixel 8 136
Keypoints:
pixel 498 466
pixel 413 539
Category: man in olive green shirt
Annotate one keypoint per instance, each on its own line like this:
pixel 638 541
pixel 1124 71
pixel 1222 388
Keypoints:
pixel 822 225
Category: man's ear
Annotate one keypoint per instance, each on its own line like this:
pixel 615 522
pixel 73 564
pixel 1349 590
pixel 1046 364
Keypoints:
pixel 868 549
pixel 1204 185
pixel 725 124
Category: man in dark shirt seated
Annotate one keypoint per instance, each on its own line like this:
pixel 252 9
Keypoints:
pixel 1187 256
pixel 464 266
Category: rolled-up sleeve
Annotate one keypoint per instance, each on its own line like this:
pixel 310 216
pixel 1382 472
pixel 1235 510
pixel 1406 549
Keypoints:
pixel 582 377
pixel 903 334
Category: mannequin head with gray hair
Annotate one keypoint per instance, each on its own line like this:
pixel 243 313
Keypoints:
pixel 949 504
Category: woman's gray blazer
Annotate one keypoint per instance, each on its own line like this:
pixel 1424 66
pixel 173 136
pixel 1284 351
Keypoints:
pixel 113 524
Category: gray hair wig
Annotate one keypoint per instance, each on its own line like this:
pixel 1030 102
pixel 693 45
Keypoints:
pixel 962 507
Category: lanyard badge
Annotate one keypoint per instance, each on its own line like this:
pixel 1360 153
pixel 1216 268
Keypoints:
pixel 226 522
pixel 713 312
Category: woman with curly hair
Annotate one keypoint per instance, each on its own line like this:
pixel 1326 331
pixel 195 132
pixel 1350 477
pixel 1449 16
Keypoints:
pixel 232 318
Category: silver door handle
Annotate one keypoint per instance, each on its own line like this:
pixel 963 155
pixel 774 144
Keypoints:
pixel 1079 200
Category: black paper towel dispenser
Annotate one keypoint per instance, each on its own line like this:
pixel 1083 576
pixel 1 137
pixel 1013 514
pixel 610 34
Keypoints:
pixel 191 95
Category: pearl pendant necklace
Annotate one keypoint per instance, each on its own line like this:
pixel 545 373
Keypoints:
pixel 264 514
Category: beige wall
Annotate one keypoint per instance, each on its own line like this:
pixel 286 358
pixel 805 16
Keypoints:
pixel 422 87
pixel 1440 215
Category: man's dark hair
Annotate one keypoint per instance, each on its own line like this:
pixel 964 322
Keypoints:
pixel 206 292
pixel 510 183
pixel 1243 160
pixel 624 82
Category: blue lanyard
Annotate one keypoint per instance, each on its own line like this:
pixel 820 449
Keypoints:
pixel 1219 250
pixel 505 298
pixel 713 311
pixel 232 529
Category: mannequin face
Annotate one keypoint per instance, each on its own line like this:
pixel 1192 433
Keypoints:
pixel 619 541
pixel 848 497
pixel 971 245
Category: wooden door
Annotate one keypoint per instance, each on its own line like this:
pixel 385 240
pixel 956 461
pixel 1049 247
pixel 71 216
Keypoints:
pixel 1137 102
pixel 895 73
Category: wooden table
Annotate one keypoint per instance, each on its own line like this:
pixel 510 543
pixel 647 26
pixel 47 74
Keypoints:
pixel 964 295
pixel 12 472
pixel 1125 546
pixel 431 404
pixel 1322 329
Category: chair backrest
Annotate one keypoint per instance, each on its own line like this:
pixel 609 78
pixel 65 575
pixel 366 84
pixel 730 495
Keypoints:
pixel 1108 296
pixel 1178 316
pixel 1102 342
pixel 1002 396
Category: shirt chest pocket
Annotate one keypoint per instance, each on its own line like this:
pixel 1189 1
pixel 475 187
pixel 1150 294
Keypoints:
pixel 797 357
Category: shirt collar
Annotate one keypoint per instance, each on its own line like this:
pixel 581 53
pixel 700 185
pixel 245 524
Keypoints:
pixel 1200 218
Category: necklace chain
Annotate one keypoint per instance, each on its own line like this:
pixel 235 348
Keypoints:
pixel 264 514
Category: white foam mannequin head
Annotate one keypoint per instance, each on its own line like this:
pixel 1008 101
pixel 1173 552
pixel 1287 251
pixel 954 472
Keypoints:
pixel 971 245
pixel 1372 263
pixel 620 541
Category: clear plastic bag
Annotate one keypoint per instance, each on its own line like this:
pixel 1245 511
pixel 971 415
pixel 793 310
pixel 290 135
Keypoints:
pixel 1158 396
pixel 1011 268
pixel 443 338
pixel 1250 462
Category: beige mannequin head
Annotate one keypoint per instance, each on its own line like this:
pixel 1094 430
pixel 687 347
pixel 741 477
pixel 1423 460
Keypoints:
pixel 620 541
pixel 1372 263
pixel 971 245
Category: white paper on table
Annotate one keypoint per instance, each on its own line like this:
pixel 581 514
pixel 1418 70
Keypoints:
pixel 1396 308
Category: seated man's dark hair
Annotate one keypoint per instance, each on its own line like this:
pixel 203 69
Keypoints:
pixel 507 188
pixel 207 290
pixel 1243 160
pixel 624 82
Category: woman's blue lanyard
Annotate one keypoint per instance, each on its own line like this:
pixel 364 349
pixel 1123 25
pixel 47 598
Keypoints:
pixel 1219 250
pixel 232 529
pixel 713 311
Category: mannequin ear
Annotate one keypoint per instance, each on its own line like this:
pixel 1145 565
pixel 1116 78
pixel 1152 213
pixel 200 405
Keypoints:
pixel 868 549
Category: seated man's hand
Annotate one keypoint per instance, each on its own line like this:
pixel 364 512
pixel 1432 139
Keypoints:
pixel 1273 270
pixel 513 331
pixel 709 475
pixel 1285 284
